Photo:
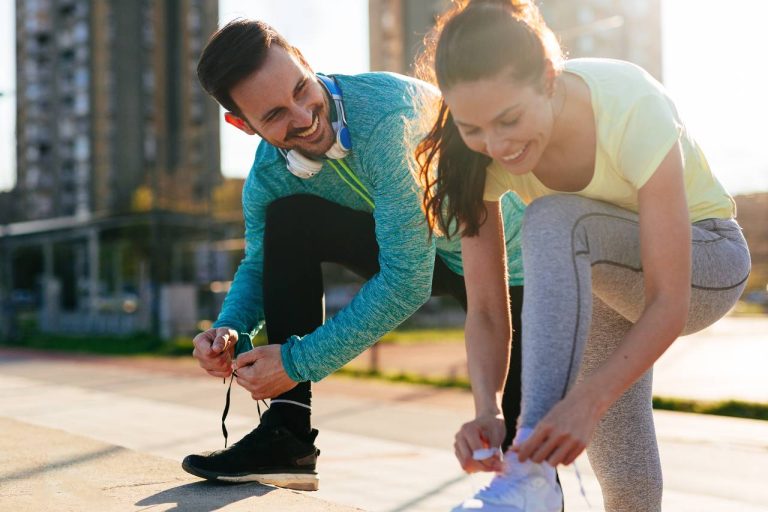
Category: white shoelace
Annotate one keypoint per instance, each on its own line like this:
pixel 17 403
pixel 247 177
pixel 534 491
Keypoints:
pixel 581 485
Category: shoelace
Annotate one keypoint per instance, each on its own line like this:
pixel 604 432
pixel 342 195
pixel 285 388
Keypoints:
pixel 258 407
pixel 226 407
pixel 581 485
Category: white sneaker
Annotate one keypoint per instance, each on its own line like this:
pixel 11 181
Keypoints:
pixel 522 487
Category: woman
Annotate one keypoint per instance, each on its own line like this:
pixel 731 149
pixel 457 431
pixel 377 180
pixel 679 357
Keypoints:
pixel 628 242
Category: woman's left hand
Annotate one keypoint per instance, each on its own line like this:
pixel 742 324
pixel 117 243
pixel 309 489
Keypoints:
pixel 564 432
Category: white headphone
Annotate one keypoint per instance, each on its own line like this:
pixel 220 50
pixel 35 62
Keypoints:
pixel 305 167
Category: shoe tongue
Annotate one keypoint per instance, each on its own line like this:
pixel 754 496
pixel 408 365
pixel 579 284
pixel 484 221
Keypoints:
pixel 514 468
pixel 272 418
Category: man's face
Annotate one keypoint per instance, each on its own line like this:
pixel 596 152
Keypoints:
pixel 285 104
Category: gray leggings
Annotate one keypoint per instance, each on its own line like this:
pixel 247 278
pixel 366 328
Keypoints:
pixel 583 290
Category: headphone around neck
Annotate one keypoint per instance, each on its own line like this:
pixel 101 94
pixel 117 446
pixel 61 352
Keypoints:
pixel 305 167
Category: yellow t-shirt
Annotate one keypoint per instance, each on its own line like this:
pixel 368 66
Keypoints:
pixel 637 124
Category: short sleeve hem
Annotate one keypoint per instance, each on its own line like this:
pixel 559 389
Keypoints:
pixel 494 185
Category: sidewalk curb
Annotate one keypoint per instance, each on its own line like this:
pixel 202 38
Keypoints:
pixel 63 471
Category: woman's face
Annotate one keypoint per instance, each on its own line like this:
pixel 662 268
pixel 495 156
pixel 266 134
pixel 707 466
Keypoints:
pixel 502 118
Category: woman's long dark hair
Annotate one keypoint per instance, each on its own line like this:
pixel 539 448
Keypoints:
pixel 473 40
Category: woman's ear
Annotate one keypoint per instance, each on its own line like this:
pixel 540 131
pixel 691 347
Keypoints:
pixel 239 123
pixel 549 78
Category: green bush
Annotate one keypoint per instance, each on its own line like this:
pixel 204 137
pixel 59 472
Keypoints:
pixel 140 343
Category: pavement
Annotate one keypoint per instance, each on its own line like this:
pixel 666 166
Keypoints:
pixel 108 434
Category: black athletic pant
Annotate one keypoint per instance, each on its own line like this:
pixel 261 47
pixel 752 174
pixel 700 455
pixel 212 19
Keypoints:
pixel 303 231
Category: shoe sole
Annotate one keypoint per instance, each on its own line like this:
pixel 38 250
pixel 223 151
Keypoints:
pixel 295 481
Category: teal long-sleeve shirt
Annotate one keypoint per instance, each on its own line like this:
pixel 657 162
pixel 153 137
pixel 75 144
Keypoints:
pixel 379 109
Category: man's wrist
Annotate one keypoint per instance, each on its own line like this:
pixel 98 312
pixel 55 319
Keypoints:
pixel 286 359
pixel 235 326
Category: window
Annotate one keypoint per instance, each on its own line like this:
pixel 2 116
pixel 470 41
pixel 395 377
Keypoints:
pixel 82 148
pixel 82 107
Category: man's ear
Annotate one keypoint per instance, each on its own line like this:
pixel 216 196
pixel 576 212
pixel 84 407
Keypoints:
pixel 239 123
pixel 300 57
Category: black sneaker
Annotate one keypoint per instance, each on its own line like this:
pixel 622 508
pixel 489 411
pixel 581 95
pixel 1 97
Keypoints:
pixel 270 454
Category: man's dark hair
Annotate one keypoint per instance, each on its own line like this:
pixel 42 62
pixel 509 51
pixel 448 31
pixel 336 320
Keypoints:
pixel 234 52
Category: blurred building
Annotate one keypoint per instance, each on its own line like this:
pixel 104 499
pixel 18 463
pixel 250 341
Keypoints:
pixel 109 107
pixel 397 28
pixel 621 29
pixel 752 214
pixel 118 162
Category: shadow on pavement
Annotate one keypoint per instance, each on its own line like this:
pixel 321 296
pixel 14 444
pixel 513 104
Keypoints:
pixel 435 491
pixel 61 464
pixel 205 496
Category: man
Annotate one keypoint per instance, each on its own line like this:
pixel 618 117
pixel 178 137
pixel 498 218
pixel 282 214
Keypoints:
pixel 347 197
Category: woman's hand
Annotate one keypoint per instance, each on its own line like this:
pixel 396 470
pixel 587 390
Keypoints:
pixel 565 431
pixel 481 433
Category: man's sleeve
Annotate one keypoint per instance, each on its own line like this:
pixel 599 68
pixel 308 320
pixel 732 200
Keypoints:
pixel 243 308
pixel 406 259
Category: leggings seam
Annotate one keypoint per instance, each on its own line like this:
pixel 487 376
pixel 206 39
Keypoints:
pixel 723 288
pixel 615 264
pixel 578 290
pixel 640 270
pixel 702 242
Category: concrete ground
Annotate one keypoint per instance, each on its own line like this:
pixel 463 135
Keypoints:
pixel 51 469
pixel 94 433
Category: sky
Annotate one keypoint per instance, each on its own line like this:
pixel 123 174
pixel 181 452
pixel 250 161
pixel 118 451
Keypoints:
pixel 713 68
pixel 7 98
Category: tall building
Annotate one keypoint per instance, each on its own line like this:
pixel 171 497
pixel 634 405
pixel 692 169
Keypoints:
pixel 621 29
pixel 397 28
pixel 752 214
pixel 110 114
pixel 118 166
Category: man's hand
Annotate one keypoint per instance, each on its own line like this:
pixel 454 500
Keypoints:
pixel 214 350
pixel 261 372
